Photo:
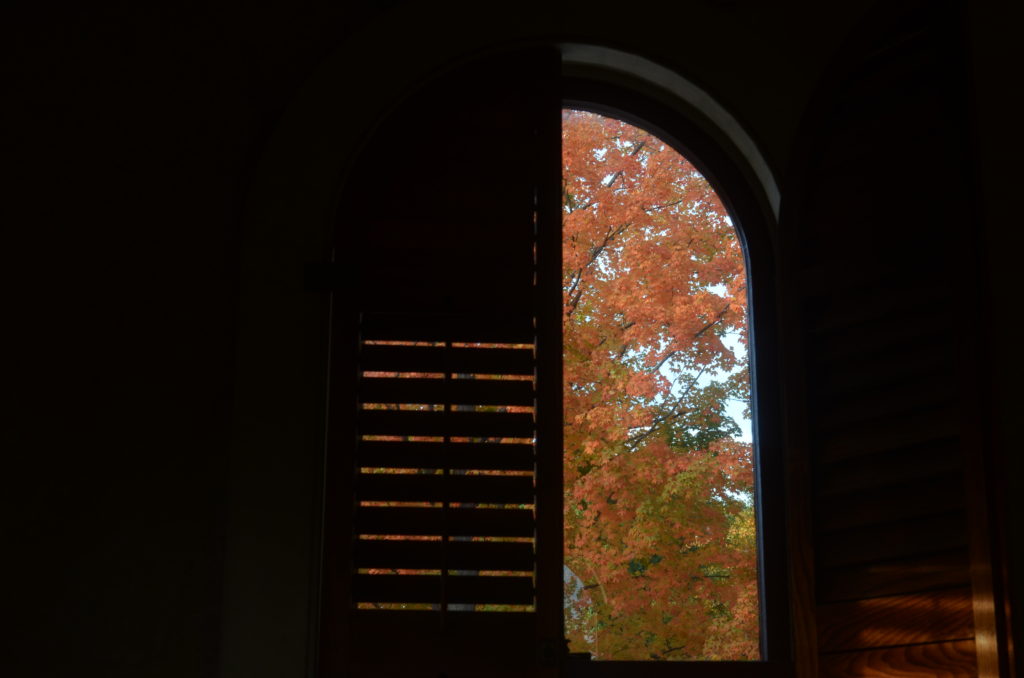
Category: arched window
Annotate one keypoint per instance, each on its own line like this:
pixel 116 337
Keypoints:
pixel 444 500
pixel 660 526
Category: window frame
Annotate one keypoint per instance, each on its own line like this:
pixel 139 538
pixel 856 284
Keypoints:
pixel 615 96
pixel 612 95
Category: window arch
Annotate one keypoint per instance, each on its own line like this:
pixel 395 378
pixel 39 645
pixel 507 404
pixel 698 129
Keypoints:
pixel 454 262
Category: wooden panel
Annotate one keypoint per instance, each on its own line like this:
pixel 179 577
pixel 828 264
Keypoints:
pixel 386 588
pixel 893 541
pixel 478 638
pixel 882 371
pixel 483 456
pixel 891 435
pixel 935 660
pixel 455 555
pixel 896 620
pixel 455 424
pixel 449 360
pixel 504 328
pixel 903 51
pixel 902 328
pixel 397 285
pixel 908 575
pixel 856 134
pixel 891 365
pixel 927 392
pixel 936 495
pixel 437 488
pixel 424 248
pixel 861 311
pixel 441 267
pixel 918 463
pixel 433 521
pixel 410 294
pixel 455 391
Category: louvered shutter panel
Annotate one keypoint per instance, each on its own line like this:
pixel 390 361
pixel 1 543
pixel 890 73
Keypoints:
pixel 442 534
pixel 880 248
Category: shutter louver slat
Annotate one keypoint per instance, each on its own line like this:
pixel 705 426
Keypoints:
pixel 480 456
pixel 453 424
pixel 931 534
pixel 476 391
pixel 438 488
pixel 429 555
pixel 465 522
pixel 507 327
pixel 436 359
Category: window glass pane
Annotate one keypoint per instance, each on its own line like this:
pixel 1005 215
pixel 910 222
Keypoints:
pixel 660 546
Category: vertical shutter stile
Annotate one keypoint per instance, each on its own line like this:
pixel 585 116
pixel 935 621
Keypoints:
pixel 437 498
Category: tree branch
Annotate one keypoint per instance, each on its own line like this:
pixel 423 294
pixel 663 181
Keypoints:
pixel 595 252
pixel 654 208
pixel 635 440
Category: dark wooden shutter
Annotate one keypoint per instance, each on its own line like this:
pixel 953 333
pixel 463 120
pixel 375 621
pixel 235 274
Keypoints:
pixel 443 535
pixel 885 291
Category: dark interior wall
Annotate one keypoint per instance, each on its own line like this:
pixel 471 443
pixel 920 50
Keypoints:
pixel 166 354
pixel 130 135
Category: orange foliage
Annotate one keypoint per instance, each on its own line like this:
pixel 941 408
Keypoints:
pixel 659 526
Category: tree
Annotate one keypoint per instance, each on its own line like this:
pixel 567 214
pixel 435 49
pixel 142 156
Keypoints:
pixel 660 541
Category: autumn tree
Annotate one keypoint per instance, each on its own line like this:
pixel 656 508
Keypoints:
pixel 660 546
